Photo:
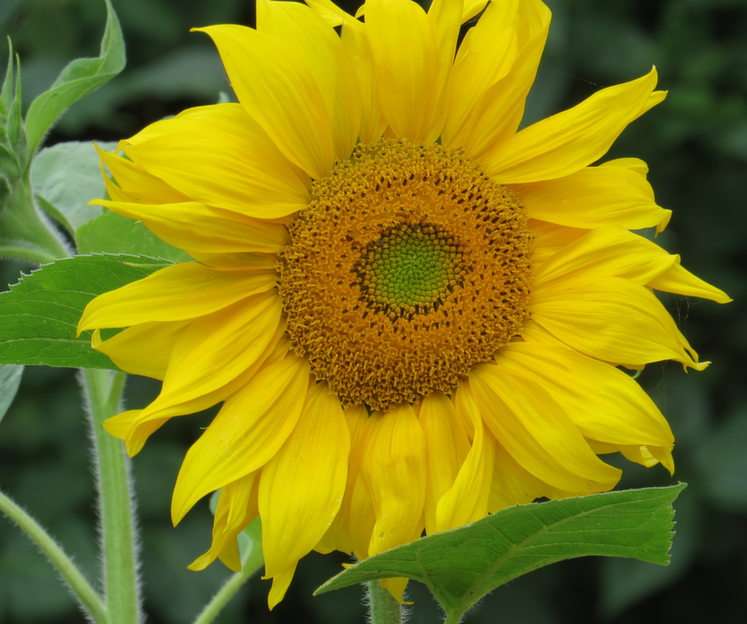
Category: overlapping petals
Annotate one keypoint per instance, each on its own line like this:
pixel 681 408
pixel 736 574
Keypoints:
pixel 223 182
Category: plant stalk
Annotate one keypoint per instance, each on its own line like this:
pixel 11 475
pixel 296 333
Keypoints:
pixel 453 618
pixel 26 233
pixel 89 599
pixel 231 587
pixel 382 607
pixel 102 391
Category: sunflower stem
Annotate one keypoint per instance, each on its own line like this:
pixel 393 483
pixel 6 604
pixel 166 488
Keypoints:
pixel 230 588
pixel 26 233
pixel 382 607
pixel 90 601
pixel 453 617
pixel 102 391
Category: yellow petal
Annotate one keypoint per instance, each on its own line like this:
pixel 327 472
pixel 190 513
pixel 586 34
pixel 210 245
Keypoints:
pixel 357 79
pixel 606 404
pixel 280 584
pixel 643 455
pixel 569 141
pixel 322 55
pixel 549 239
pixel 219 156
pixel 126 348
pixel 680 281
pixel 605 252
pixel 351 531
pixel 176 293
pixel 541 438
pixel 446 447
pixel 251 262
pixel 211 359
pixel 493 72
pixel 232 514
pixel 271 79
pixel 468 498
pixel 614 252
pixel 469 10
pixel 201 228
pixel 513 485
pixel 445 17
pixel 472 8
pixel 356 50
pixel 394 470
pixel 616 193
pixel 330 12
pixel 301 488
pixel 133 183
pixel 247 432
pixel 613 320
pixel 408 68
pixel 212 352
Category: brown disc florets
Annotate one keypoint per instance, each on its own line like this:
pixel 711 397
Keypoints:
pixel 408 267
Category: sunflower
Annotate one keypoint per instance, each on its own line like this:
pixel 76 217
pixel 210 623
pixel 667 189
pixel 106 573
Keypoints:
pixel 413 311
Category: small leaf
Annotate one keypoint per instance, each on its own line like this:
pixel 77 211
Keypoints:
pixel 10 379
pixel 64 178
pixel 113 234
pixel 461 566
pixel 39 315
pixel 77 79
pixel 12 136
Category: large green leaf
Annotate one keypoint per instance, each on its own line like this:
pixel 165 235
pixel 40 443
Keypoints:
pixel 113 234
pixel 39 315
pixel 626 582
pixel 10 379
pixel 77 79
pixel 463 565
pixel 64 178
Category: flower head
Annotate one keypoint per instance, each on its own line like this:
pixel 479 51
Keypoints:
pixel 413 312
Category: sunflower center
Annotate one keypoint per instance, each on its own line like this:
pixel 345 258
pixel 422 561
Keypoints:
pixel 408 267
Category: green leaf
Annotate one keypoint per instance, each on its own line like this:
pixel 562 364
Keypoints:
pixel 10 379
pixel 113 234
pixel 12 136
pixel 461 566
pixel 625 582
pixel 39 315
pixel 77 79
pixel 64 178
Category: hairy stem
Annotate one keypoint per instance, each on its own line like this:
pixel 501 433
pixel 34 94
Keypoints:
pixel 225 594
pixel 90 601
pixel 382 607
pixel 103 391
pixel 27 233
pixel 453 617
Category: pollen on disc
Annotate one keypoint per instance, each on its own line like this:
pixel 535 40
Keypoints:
pixel 408 267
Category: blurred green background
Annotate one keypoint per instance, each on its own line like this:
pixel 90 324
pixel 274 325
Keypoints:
pixel 696 144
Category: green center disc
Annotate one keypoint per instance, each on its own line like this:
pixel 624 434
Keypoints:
pixel 411 266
